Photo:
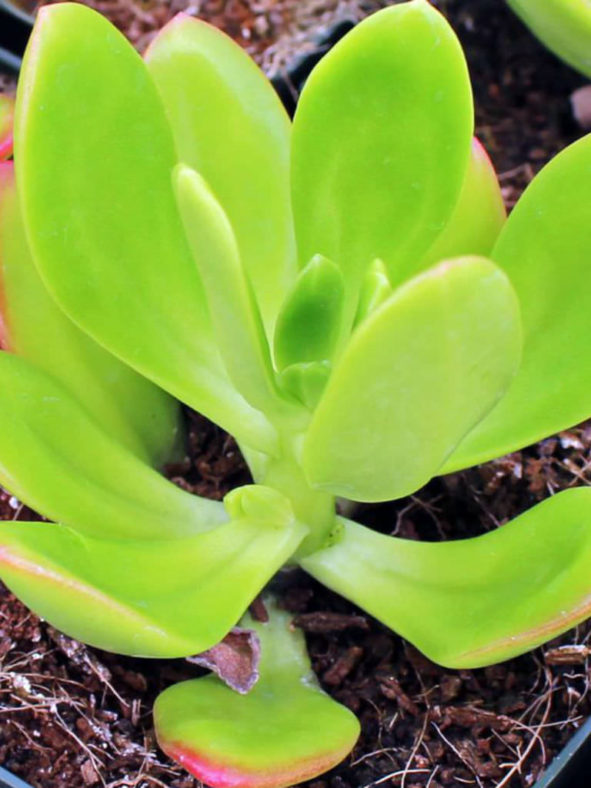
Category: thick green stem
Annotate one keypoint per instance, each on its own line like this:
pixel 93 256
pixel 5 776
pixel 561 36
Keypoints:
pixel 313 508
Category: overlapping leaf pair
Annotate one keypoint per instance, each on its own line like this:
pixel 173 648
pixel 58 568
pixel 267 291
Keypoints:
pixel 162 204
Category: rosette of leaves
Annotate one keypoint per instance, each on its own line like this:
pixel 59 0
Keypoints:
pixel 564 26
pixel 346 297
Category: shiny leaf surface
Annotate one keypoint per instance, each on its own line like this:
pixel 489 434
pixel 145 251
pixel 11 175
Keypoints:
pixel 57 458
pixel 108 238
pixel 416 376
pixel 235 316
pixel 381 143
pixel 472 602
pixel 479 215
pixel 284 731
pixel 544 249
pixel 230 126
pixel 309 322
pixel 128 406
pixel 156 599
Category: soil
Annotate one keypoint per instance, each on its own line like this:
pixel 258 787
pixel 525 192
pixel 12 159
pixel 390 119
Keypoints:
pixel 74 716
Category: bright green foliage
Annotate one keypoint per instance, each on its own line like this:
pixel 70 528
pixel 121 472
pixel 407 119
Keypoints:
pixel 452 332
pixel 137 413
pixel 229 125
pixel 58 459
pixel 478 591
pixel 234 311
pixel 414 332
pixel 479 214
pixel 217 734
pixel 309 323
pixel 141 597
pixel 381 143
pixel 564 26
pixel 374 290
pixel 139 293
pixel 544 249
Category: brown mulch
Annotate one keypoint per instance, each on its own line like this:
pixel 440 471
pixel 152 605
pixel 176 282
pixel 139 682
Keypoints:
pixel 73 716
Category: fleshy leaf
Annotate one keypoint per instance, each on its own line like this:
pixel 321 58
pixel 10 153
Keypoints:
pixel 286 730
pixel 381 143
pixel 108 239
pixel 57 458
pixel 154 599
pixel 479 215
pixel 375 289
pixel 6 122
pixel 564 26
pixel 416 376
pixel 230 126
pixel 471 602
pixel 309 322
pixel 544 249
pixel 235 316
pixel 306 381
pixel 128 406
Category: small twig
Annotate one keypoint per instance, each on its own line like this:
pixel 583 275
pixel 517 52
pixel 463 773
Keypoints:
pixel 459 754
pixel 415 749
pixel 516 767
pixel 392 775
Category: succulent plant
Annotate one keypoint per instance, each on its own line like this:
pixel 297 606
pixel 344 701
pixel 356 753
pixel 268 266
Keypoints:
pixel 345 297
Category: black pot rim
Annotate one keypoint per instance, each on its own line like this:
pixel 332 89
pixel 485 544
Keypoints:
pixel 9 780
pixel 14 10
pixel 15 28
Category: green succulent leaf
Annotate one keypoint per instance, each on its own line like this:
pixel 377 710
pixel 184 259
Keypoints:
pixel 471 602
pixel 479 215
pixel 375 289
pixel 230 126
pixel 108 238
pixel 544 249
pixel 234 311
pixel 306 381
pixel 310 319
pixel 564 26
pixel 58 459
pixel 284 731
pixel 381 143
pixel 165 598
pixel 129 407
pixel 6 123
pixel 416 376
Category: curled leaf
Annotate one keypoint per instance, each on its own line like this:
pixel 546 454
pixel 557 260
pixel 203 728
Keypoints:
pixel 235 659
pixel 471 602
pixel 158 598
pixel 57 458
pixel 309 322
pixel 284 731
